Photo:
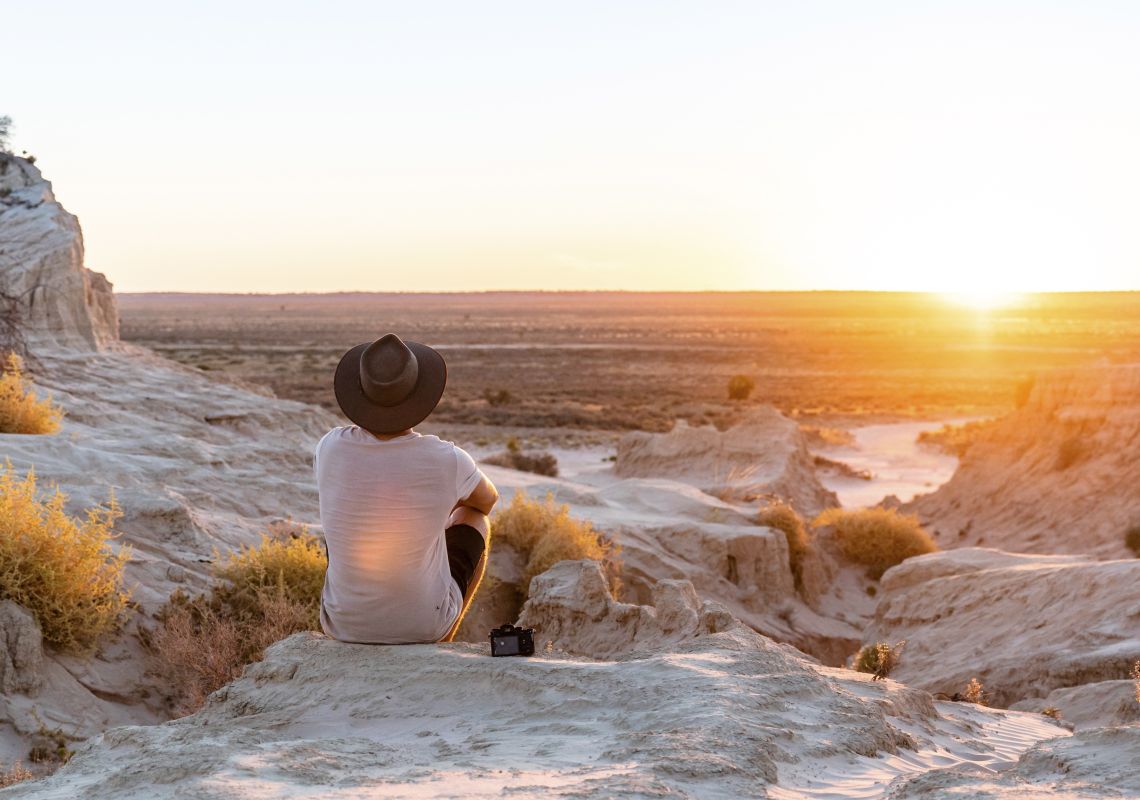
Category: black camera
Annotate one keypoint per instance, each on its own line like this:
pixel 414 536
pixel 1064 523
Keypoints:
pixel 508 640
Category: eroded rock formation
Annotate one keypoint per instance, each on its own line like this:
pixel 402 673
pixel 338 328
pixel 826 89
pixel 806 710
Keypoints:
pixel 765 455
pixel 1023 625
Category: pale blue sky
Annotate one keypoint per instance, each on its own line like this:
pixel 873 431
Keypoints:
pixel 245 146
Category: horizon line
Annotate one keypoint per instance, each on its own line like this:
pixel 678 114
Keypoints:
pixel 932 292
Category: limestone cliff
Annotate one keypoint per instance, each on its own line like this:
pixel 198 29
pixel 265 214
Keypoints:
pixel 47 297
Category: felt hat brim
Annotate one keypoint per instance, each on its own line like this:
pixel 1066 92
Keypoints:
pixel 409 412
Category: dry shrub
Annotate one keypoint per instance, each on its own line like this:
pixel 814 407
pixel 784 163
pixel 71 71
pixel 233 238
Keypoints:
pixel 878 659
pixel 545 533
pixel 1136 675
pixel 61 569
pixel 783 517
pixel 822 436
pixel 1132 540
pixel 539 463
pixel 201 645
pixel 21 411
pixel 975 693
pixel 292 568
pixel 955 440
pixel 264 593
pixel 740 387
pixel 1052 712
pixel 15 774
pixel 877 538
pixel 1072 451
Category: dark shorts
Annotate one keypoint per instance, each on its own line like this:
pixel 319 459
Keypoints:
pixel 464 549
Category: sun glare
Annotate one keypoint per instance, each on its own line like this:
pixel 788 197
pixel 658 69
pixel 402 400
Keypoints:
pixel 981 300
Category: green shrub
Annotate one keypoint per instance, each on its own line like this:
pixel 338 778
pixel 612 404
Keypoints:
pixel 878 659
pixel 877 538
pixel 61 569
pixel 783 517
pixel 545 533
pixel 21 411
pixel 740 387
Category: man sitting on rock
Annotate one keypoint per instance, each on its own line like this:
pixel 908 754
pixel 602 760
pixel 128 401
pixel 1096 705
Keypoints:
pixel 404 515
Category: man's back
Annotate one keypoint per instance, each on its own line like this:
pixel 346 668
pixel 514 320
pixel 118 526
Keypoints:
pixel 384 506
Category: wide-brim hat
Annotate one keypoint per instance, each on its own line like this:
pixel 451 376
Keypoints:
pixel 389 385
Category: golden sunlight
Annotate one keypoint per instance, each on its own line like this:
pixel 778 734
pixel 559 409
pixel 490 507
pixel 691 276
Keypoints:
pixel 983 300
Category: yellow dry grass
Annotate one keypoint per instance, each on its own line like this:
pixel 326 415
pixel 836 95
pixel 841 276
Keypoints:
pixel 293 568
pixel 877 538
pixel 63 570
pixel 545 533
pixel 21 410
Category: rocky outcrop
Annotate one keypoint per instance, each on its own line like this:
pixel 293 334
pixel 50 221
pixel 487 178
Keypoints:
pixel 21 650
pixel 1023 625
pixel 1059 475
pixel 571 608
pixel 47 297
pixel 671 531
pixel 727 714
pixel 765 455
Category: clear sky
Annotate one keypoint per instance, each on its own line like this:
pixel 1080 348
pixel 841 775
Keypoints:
pixel 281 146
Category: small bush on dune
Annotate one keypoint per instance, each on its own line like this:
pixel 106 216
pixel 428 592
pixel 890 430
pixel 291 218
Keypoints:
pixel 1072 451
pixel 878 659
pixel 1136 675
pixel 545 533
pixel 877 538
pixel 21 411
pixel 783 517
pixel 264 593
pixel 975 693
pixel 61 569
pixel 740 387
pixel 1132 540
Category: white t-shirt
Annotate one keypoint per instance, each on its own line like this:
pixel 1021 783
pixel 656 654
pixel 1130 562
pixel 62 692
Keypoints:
pixel 384 505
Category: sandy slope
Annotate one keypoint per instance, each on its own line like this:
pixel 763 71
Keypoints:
pixel 1059 475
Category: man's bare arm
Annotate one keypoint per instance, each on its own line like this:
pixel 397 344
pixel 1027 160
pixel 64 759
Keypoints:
pixel 482 498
